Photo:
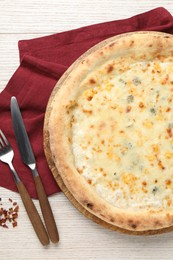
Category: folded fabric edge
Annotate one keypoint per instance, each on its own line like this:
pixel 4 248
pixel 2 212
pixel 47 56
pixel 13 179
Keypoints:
pixel 28 46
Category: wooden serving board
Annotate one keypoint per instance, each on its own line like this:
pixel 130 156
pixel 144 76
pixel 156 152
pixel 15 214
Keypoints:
pixel 54 170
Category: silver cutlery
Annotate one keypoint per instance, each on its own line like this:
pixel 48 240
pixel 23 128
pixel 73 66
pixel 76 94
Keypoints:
pixel 29 159
pixel 6 156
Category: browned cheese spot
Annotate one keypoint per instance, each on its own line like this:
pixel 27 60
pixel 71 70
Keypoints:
pixel 89 181
pixel 168 182
pixel 87 111
pixel 141 105
pixel 69 139
pixel 110 68
pixel 131 43
pixel 80 170
pixel 89 98
pixel 168 109
pixel 161 165
pixel 92 81
pixel 128 109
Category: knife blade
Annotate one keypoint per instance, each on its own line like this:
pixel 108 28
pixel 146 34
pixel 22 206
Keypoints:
pixel 22 137
pixel 28 158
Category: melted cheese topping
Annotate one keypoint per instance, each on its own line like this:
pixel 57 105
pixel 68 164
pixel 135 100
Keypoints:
pixel 122 133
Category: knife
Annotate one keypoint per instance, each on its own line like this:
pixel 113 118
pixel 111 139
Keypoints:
pixel 29 159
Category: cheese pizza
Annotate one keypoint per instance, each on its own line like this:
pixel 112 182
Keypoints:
pixel 111 130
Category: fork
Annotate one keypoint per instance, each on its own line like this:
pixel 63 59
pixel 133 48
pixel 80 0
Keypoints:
pixel 6 156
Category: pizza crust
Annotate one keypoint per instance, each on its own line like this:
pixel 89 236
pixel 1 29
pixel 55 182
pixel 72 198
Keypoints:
pixel 60 130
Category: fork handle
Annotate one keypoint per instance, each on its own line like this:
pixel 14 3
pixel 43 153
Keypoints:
pixel 46 211
pixel 33 214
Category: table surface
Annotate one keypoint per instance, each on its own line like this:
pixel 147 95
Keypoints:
pixel 80 238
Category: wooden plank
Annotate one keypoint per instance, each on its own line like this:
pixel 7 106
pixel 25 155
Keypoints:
pixel 42 16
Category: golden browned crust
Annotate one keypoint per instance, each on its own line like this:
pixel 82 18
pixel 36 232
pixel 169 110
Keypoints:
pixel 139 46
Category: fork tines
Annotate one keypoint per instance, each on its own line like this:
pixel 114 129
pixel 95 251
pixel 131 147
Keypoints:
pixel 3 139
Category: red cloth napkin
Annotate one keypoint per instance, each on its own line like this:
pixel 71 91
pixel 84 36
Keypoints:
pixel 42 62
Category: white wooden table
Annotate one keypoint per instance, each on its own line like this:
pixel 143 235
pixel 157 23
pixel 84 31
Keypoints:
pixel 79 237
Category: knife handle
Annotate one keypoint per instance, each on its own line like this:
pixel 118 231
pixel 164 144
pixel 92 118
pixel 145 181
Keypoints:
pixel 46 211
pixel 33 214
